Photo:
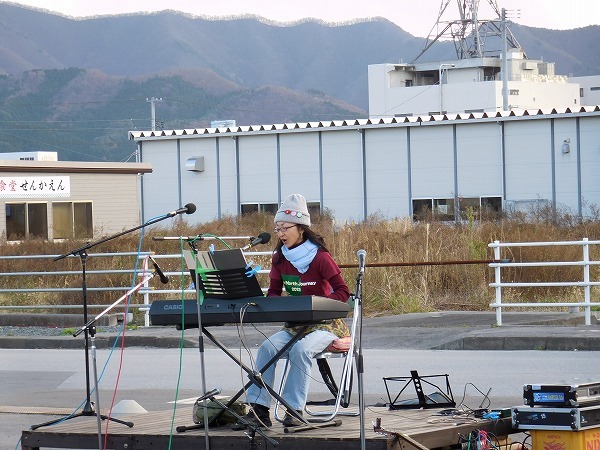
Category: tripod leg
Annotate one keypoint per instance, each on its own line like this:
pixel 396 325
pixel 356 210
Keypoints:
pixel 113 419
pixel 81 414
pixel 55 421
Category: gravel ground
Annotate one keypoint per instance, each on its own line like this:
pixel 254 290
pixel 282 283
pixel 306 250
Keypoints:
pixel 49 331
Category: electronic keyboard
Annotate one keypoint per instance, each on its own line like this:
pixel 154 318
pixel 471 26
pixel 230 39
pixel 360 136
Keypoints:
pixel 290 309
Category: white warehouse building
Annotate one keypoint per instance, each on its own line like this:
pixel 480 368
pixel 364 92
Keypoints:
pixel 392 167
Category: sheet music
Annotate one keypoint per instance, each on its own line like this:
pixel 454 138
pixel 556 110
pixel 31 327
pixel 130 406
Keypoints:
pixel 204 260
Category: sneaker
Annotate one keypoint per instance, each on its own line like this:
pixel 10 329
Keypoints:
pixel 291 421
pixel 258 416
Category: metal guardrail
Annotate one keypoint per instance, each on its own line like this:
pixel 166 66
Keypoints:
pixel 64 273
pixel 586 283
pixel 146 291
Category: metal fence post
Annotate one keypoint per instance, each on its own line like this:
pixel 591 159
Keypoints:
pixel 586 280
pixel 498 279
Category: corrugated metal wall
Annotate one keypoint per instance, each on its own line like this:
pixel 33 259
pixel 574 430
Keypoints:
pixel 357 170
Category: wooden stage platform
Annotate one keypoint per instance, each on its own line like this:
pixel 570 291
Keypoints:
pixel 407 429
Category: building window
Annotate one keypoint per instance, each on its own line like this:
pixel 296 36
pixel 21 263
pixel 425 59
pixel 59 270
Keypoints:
pixel 408 83
pixel 433 209
pixel 581 92
pixel 443 209
pixel 314 208
pixel 491 203
pixel 513 92
pixel 479 207
pixel 422 209
pixel 26 219
pixel 595 88
pixel 72 220
pixel 249 208
pixel 83 226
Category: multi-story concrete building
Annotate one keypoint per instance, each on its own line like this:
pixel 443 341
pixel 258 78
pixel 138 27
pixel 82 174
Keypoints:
pixel 468 85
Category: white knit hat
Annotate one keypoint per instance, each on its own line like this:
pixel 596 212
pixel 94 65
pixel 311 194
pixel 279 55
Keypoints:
pixel 293 210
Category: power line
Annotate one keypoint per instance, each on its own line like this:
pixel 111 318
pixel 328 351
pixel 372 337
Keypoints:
pixel 47 145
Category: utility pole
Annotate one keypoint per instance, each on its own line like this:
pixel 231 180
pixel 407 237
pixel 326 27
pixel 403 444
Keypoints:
pixel 152 102
pixel 504 63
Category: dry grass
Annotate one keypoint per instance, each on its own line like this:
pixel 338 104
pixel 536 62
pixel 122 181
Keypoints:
pixel 386 290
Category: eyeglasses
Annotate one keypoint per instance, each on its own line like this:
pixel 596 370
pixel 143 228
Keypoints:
pixel 277 230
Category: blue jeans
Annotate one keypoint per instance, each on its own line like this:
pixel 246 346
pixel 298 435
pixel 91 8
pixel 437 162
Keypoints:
pixel 300 356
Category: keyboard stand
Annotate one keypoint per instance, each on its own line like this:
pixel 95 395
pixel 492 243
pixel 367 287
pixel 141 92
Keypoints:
pixel 254 378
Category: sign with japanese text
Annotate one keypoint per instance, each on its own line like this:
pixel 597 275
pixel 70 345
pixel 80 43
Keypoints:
pixel 35 186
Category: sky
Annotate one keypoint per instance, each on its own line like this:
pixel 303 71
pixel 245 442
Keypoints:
pixel 418 17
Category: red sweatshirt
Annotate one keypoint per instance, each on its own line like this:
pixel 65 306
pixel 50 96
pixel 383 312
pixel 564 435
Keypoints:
pixel 323 278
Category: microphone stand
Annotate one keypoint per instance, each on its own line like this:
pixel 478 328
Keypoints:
pixel 89 331
pixel 199 301
pixel 359 362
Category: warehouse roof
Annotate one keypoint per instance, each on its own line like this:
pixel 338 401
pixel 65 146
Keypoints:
pixel 361 123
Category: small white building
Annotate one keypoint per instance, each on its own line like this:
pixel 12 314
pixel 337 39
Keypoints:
pixel 65 200
pixel 32 156
pixel 589 89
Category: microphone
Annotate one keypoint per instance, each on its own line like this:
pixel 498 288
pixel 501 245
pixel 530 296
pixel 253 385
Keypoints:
pixel 163 278
pixel 190 208
pixel 209 394
pixel 361 255
pixel 262 238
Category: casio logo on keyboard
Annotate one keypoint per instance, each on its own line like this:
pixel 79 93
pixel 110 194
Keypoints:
pixel 170 307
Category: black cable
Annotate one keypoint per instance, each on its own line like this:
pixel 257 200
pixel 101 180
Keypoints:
pixel 486 398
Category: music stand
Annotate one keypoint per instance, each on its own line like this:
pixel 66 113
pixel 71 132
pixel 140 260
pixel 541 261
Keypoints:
pixel 223 274
pixel 430 393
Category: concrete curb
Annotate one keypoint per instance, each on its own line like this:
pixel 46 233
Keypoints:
pixel 528 339
pixel 68 342
pixel 516 343
pixel 451 330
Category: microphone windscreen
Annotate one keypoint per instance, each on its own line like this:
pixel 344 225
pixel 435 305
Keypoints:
pixel 264 237
pixel 191 208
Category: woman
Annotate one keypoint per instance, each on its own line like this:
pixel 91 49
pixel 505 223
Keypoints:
pixel 301 265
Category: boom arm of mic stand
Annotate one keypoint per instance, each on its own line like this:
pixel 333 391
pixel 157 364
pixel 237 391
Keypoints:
pixel 200 237
pixel 110 238
pixel 133 290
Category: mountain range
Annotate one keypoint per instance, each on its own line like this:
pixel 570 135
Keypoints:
pixel 77 86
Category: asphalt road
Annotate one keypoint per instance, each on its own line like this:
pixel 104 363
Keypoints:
pixel 55 379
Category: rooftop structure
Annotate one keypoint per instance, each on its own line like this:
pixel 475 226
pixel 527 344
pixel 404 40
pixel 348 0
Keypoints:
pixel 491 73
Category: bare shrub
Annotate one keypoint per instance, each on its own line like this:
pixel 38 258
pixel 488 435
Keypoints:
pixel 414 266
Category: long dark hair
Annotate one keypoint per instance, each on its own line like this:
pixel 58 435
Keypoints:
pixel 308 234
